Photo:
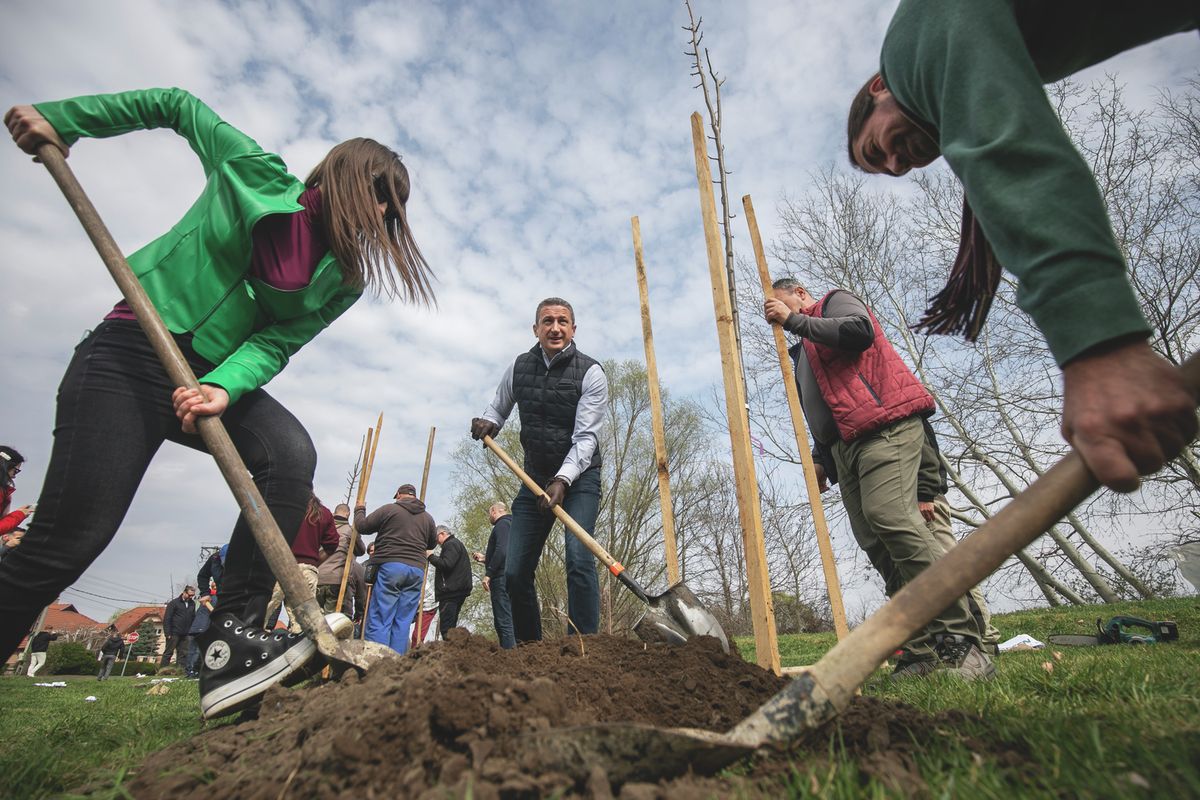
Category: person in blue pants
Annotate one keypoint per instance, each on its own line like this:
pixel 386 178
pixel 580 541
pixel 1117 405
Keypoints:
pixel 406 533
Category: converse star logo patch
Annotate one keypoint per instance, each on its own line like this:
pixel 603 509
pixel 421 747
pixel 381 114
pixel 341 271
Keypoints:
pixel 217 655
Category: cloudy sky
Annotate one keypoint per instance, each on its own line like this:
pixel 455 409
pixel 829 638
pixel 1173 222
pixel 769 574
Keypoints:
pixel 533 132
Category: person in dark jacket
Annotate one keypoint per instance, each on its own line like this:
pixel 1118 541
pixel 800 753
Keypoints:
pixel 110 651
pixel 38 647
pixel 453 582
pixel 493 580
pixel 199 625
pixel 211 572
pixel 177 621
pixel 406 533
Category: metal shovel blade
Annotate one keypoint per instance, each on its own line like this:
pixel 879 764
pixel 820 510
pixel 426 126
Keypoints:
pixel 626 751
pixel 677 615
pixel 362 655
pixel 342 653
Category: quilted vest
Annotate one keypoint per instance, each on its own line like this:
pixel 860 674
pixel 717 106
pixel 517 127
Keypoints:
pixel 869 390
pixel 546 399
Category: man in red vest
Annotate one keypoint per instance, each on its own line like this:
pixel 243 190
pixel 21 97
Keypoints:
pixel 865 409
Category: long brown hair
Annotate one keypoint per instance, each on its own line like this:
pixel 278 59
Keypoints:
pixel 375 251
pixel 313 512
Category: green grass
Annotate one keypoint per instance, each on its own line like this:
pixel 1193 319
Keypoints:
pixel 1111 721
pixel 1116 721
pixel 56 740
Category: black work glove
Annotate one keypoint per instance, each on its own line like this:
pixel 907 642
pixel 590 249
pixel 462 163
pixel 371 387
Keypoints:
pixel 481 427
pixel 556 490
pixel 372 572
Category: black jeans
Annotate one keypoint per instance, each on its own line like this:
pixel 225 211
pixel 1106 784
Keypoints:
pixel 448 614
pixel 178 646
pixel 114 411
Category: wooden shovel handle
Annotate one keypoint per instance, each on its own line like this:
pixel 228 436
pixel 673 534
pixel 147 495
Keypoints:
pixel 827 687
pixel 574 527
pixel 820 527
pixel 266 532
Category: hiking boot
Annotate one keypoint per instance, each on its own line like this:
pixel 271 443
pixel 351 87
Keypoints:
pixel 914 667
pixel 240 662
pixel 962 657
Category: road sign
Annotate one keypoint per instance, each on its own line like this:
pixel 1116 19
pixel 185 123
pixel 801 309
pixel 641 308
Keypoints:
pixel 131 637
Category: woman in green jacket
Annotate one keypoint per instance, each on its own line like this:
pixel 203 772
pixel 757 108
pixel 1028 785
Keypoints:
pixel 257 267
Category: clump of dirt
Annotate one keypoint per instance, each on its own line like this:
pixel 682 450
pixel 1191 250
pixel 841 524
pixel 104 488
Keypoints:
pixel 437 723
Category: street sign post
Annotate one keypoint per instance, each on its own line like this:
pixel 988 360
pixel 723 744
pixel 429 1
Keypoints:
pixel 130 639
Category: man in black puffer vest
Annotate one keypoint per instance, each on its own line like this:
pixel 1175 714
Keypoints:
pixel 561 395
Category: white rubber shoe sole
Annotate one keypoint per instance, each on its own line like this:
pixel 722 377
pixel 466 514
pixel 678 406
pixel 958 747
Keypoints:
pixel 235 694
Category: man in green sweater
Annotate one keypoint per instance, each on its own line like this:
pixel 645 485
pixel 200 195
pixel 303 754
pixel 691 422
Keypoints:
pixel 964 81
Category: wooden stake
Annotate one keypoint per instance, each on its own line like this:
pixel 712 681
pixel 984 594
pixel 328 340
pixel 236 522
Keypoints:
pixel 832 585
pixel 428 458
pixel 425 571
pixel 656 413
pixel 364 479
pixel 762 612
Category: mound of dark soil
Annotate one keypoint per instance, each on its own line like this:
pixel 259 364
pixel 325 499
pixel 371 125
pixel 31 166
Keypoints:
pixel 435 724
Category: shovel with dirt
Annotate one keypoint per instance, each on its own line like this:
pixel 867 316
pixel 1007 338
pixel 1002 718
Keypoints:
pixel 673 617
pixel 357 654
pixel 630 752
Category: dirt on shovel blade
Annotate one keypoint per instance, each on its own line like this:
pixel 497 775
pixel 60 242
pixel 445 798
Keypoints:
pixel 435 724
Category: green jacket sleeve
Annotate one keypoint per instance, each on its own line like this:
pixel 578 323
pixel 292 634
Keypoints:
pixel 103 115
pixel 963 67
pixel 261 357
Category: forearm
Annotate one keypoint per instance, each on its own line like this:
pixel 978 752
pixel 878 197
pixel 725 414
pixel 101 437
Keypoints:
pixel 589 419
pixel 105 115
pixel 264 354
pixel 1029 188
pixel 366 525
pixel 502 402
pixel 844 324
pixel 11 521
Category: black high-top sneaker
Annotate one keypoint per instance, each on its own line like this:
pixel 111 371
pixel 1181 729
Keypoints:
pixel 239 662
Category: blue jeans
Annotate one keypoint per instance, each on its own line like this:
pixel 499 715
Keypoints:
pixel 193 659
pixel 502 615
pixel 527 538
pixel 114 412
pixel 393 605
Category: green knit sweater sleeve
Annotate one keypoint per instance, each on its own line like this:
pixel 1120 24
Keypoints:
pixel 963 68
pixel 265 353
pixel 103 115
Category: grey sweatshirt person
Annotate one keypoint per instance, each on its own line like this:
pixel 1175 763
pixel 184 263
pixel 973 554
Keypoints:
pixel 405 528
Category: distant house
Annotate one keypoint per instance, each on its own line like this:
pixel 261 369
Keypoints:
pixel 132 619
pixel 70 625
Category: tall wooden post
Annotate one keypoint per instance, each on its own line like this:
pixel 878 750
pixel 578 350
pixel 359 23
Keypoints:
pixel 762 610
pixel 428 458
pixel 832 585
pixel 424 572
pixel 656 413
